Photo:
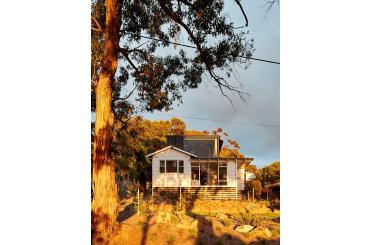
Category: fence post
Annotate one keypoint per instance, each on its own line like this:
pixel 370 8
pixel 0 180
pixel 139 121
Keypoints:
pixel 138 199
pixel 180 198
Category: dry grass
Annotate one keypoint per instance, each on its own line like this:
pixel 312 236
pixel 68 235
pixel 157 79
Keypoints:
pixel 143 229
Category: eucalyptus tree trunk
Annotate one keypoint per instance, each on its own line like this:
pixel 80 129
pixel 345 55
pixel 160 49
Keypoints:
pixel 105 197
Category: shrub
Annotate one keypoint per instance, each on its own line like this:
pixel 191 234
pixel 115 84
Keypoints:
pixel 139 203
pixel 257 189
pixel 256 219
pixel 275 204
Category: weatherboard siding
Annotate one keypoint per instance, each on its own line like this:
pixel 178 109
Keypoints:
pixel 231 174
pixel 171 179
pixel 240 177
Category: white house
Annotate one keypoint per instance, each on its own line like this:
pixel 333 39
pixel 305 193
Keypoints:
pixel 190 164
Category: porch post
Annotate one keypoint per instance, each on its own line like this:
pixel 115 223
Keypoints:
pixel 218 171
pixel 199 171
pixel 236 178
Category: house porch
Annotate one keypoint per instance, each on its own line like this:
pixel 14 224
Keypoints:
pixel 199 192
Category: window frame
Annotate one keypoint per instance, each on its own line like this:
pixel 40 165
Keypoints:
pixel 178 166
pixel 224 166
pixel 164 166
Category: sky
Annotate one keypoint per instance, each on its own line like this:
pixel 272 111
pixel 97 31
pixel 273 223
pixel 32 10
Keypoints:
pixel 260 80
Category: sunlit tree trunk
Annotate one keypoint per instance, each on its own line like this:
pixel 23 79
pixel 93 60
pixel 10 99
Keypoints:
pixel 105 197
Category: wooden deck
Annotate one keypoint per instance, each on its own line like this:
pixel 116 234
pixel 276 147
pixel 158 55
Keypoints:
pixel 202 192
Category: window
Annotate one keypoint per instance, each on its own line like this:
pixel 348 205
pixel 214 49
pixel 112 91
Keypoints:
pixel 222 173
pixel 180 166
pixel 195 171
pixel 162 166
pixel 171 166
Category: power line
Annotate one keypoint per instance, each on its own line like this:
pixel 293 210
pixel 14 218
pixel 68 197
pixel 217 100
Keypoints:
pixel 218 120
pixel 194 47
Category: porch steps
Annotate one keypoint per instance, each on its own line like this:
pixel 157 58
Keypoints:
pixel 205 193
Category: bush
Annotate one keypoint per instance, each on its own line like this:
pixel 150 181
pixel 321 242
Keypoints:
pixel 256 219
pixel 275 204
pixel 257 189
pixel 139 206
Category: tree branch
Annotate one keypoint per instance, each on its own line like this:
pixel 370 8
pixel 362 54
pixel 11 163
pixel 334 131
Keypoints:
pixel 99 29
pixel 125 54
pixel 243 12
pixel 216 78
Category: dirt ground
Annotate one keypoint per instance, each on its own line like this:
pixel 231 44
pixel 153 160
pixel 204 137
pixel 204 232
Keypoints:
pixel 164 223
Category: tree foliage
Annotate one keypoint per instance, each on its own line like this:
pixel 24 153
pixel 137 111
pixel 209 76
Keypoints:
pixel 154 80
pixel 269 174
pixel 139 138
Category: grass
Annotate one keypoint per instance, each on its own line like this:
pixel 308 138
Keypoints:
pixel 152 237
pixel 219 242
pixel 256 219
pixel 194 232
pixel 171 239
pixel 141 224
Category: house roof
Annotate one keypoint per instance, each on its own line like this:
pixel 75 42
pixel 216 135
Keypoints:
pixel 227 158
pixel 171 147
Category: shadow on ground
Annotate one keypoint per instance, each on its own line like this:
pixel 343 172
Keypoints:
pixel 126 213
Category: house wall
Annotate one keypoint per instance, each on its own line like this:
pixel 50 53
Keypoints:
pixel 240 178
pixel 171 179
pixel 231 170
pixel 231 173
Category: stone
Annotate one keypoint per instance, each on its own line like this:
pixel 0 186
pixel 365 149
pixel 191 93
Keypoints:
pixel 244 228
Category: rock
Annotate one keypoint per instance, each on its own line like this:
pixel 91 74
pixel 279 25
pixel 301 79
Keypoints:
pixel 244 228
pixel 267 232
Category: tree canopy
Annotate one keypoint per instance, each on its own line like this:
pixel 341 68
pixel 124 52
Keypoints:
pixel 153 79
pixel 269 174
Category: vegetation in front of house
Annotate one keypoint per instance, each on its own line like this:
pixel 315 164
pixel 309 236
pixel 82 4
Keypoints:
pixel 198 226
